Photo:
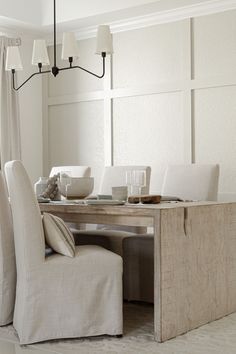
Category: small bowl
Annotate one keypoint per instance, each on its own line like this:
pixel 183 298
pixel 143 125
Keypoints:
pixel 76 187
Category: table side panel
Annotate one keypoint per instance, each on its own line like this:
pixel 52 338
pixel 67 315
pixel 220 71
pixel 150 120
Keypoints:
pixel 198 266
pixel 157 278
pixel 107 220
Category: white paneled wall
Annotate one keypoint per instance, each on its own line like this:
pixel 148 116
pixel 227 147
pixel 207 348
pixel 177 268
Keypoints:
pixel 168 97
pixel 215 127
pixel 151 55
pixel 76 135
pixel 214 45
pixel 154 122
pixel 214 116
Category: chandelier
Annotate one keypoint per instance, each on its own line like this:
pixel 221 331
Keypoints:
pixel 69 52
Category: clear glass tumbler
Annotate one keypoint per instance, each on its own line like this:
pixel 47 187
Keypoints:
pixel 139 181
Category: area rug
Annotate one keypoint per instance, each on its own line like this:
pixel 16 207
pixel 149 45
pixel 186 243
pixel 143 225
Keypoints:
pixel 218 337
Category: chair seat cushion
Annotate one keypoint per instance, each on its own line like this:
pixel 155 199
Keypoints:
pixel 58 236
pixel 109 239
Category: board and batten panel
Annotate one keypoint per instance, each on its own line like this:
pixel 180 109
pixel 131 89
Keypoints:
pixel 76 81
pixel 215 139
pixel 76 134
pixel 214 44
pixel 150 55
pixel 149 130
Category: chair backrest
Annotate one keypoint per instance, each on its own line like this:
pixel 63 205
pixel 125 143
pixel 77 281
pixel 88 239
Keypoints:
pixel 7 258
pixel 193 182
pixel 76 171
pixel 27 221
pixel 116 175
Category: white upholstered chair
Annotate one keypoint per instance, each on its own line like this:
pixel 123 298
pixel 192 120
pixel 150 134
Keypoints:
pixel 110 236
pixel 116 176
pixel 76 171
pixel 191 182
pixel 7 259
pixel 188 182
pixel 59 296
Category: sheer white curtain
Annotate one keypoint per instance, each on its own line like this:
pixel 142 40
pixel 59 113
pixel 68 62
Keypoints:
pixel 10 147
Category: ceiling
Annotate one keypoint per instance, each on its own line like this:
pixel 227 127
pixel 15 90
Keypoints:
pixel 36 16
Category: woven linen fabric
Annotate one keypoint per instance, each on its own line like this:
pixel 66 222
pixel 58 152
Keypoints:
pixel 7 259
pixel 56 296
pixel 58 236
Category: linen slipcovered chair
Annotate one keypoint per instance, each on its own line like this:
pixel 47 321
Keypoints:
pixel 111 236
pixel 7 259
pixel 76 171
pixel 192 182
pixel 188 182
pixel 59 296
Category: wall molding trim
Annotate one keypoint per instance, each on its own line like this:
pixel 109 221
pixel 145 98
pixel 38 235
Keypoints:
pixel 178 14
pixel 202 9
pixel 168 87
pixel 207 8
pixel 13 28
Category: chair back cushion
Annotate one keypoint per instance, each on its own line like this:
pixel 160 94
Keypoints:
pixel 58 236
pixel 193 182
pixel 116 176
pixel 7 259
pixel 76 171
pixel 27 221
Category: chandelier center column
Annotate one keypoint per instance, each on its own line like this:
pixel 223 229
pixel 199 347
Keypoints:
pixel 55 69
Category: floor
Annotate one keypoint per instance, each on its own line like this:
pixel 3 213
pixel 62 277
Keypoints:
pixel 218 337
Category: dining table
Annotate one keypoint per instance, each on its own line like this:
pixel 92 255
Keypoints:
pixel 194 256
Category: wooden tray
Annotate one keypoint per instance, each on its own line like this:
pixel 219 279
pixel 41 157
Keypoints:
pixel 145 199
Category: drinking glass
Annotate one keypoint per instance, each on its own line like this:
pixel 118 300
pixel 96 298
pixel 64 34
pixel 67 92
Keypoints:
pixel 129 181
pixel 139 181
pixel 65 181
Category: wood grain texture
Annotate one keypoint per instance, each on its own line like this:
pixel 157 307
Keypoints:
pixel 198 266
pixel 157 279
pixel 114 215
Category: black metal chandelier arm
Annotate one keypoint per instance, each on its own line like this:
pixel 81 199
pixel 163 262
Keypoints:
pixel 90 72
pixel 30 77
pixel 86 70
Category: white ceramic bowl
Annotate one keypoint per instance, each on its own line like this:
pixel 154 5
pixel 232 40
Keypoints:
pixel 76 187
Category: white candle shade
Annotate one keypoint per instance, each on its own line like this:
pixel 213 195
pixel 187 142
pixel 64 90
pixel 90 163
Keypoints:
pixel 69 46
pixel 40 53
pixel 104 40
pixel 13 59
